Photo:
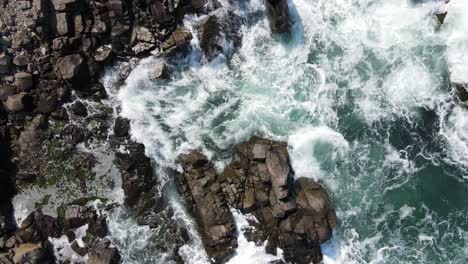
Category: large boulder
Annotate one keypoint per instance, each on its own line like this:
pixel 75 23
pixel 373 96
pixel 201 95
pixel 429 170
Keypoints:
pixel 33 253
pixel 74 70
pixel 206 201
pixel 19 102
pixel 24 81
pixel 103 253
pixel 278 15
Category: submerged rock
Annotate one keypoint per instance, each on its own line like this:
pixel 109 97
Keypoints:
pixel 294 216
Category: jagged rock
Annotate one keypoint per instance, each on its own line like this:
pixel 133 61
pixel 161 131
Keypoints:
pixel 38 227
pixel 79 109
pixel 210 34
pixel 177 41
pixel 19 102
pixel 137 177
pixel 103 253
pixel 5 63
pixel 278 15
pixel 73 69
pixel 159 71
pixel 120 37
pixel 104 55
pixel 461 90
pixel 121 127
pixel 78 23
pixel 296 217
pixel 62 24
pixel 24 81
pixel 33 253
pixel 206 201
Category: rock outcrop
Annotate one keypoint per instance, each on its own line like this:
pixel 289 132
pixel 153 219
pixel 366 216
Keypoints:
pixel 296 216
pixel 204 197
pixel 278 15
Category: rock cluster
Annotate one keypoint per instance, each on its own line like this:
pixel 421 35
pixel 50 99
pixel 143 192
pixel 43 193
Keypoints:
pixel 296 216
pixel 31 242
pixel 52 52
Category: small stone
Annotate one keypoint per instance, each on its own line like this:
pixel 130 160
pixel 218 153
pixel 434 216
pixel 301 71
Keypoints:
pixel 21 60
pixel 24 81
pixel 5 63
pixel 104 55
pixel 79 109
pixel 78 23
pixel 62 24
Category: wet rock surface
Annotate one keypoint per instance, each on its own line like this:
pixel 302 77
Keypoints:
pixel 296 216
pixel 205 199
pixel 278 15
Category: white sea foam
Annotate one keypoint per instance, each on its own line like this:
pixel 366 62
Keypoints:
pixel 406 211
pixel 310 147
pixel 372 55
pixel 247 252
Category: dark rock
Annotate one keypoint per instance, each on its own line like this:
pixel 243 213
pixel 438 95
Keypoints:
pixel 102 253
pixel 82 251
pixel 206 201
pixel 79 109
pixel 179 40
pixel 211 36
pixel 278 15
pixel 137 176
pixel 121 127
pixel 47 104
pixel 19 102
pixel 296 217
pixel 73 69
pixel 38 227
pixel 104 55
pixel 5 63
pixel 461 90
pixel 24 81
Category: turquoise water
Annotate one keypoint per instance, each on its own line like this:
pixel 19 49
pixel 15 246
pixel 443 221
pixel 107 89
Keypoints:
pixel 361 92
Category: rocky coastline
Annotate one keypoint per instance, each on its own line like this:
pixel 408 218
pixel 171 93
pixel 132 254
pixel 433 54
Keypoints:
pixel 52 57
